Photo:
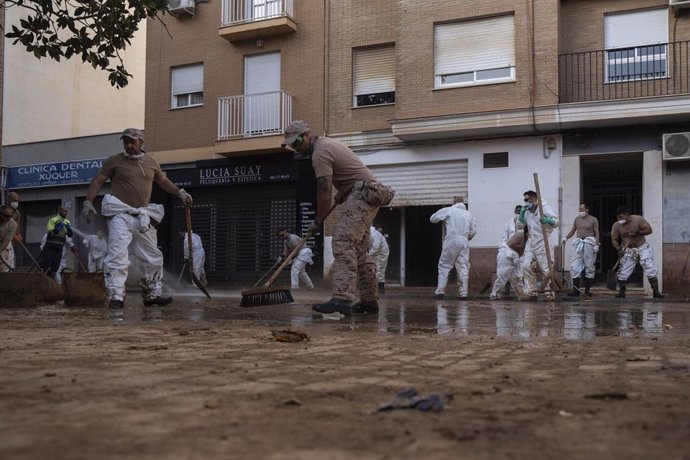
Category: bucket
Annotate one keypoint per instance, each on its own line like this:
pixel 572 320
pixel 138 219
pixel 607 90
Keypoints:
pixel 83 289
pixel 23 290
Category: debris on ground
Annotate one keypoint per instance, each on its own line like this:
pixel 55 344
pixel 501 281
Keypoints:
pixel 608 396
pixel 409 399
pixel 288 335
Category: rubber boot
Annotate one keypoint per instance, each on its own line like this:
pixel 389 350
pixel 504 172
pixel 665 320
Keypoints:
pixel 588 285
pixel 654 282
pixel 382 288
pixel 621 292
pixel 575 292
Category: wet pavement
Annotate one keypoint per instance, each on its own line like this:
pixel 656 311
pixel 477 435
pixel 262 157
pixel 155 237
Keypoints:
pixel 407 312
pixel 599 378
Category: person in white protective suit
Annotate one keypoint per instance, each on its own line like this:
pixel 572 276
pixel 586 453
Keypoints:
pixel 508 266
pixel 535 248
pixel 379 251
pixel 583 265
pixel 98 248
pixel 130 214
pixel 199 254
pixel 628 238
pixel 299 263
pixel 459 229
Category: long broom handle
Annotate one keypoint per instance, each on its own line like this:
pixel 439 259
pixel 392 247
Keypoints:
pixel 188 223
pixel 294 252
pixel 549 261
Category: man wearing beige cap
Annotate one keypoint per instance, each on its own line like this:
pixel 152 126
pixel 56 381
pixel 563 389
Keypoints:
pixel 360 195
pixel 130 215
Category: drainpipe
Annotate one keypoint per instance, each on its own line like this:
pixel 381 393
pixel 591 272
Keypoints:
pixel 326 58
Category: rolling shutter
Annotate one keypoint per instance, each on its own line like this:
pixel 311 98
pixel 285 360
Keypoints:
pixel 474 45
pixel 374 70
pixel 422 184
pixel 638 28
pixel 188 79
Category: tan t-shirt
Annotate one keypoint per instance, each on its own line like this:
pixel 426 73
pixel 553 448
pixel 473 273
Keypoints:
pixel 331 158
pixel 132 180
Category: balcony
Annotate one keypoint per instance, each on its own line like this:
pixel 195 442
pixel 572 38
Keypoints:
pixel 629 73
pixel 253 123
pixel 251 19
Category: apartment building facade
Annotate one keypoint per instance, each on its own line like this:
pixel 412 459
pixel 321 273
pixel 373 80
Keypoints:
pixel 439 99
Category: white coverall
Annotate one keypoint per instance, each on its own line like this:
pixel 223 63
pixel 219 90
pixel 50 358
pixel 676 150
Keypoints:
pixel 299 263
pixel 128 225
pixel 644 255
pixel 69 244
pixel 460 227
pixel 508 266
pixel 98 248
pixel 535 250
pixel 199 258
pixel 585 257
pixel 379 252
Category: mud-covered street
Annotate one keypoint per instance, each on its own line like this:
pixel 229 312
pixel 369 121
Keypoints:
pixel 207 379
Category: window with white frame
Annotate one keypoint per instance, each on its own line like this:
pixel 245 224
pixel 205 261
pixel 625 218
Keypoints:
pixel 475 52
pixel 187 86
pixel 636 45
pixel 373 76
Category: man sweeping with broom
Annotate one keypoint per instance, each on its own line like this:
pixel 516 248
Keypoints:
pixel 130 215
pixel 360 196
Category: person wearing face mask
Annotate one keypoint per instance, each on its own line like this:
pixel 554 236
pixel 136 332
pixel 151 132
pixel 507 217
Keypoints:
pixel 583 265
pixel 628 238
pixel 130 214
pixel 508 260
pixel 535 249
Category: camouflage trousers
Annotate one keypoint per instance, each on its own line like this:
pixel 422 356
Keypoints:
pixel 353 268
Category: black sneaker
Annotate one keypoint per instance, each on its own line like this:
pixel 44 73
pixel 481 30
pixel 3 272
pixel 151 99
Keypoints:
pixel 115 304
pixel 362 308
pixel 334 306
pixel 438 296
pixel 159 301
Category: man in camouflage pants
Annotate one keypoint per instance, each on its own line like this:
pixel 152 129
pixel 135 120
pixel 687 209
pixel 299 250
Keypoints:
pixel 360 195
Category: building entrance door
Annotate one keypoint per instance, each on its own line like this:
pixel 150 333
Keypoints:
pixel 422 246
pixel 610 181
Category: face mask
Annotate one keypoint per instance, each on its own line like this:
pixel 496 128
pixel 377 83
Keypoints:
pixel 14 204
pixel 583 214
pixel 622 221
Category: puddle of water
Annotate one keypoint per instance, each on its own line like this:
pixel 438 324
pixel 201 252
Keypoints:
pixel 504 319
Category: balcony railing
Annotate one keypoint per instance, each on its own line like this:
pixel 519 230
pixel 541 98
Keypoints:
pixel 642 71
pixel 235 12
pixel 252 115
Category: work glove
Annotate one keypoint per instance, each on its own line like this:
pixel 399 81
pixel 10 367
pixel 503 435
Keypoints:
pixel 88 212
pixel 314 228
pixel 523 210
pixel 184 196
pixel 547 220
pixel 596 248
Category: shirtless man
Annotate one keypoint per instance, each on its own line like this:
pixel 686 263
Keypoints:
pixel 583 265
pixel 628 237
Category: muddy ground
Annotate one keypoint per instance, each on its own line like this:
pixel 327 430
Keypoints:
pixel 207 380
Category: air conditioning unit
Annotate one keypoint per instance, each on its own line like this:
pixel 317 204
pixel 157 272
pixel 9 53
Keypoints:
pixel 180 7
pixel 679 4
pixel 676 146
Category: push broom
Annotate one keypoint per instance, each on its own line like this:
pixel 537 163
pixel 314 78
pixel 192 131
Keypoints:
pixel 270 295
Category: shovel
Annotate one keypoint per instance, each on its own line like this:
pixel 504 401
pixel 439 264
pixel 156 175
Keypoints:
pixel 188 222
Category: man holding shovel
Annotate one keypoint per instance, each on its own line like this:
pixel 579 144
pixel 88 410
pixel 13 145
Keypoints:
pixel 129 213
pixel 360 195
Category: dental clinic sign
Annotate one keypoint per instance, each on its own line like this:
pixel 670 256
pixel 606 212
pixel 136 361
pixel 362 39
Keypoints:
pixel 52 174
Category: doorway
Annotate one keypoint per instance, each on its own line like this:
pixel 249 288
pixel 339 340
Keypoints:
pixel 610 181
pixel 423 245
